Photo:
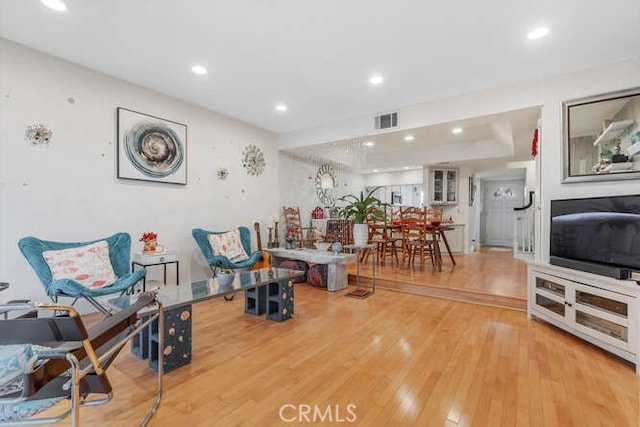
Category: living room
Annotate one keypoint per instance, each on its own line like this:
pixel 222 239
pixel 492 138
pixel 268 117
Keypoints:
pixel 69 190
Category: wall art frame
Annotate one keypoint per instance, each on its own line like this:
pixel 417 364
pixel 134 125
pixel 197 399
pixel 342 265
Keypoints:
pixel 601 136
pixel 151 148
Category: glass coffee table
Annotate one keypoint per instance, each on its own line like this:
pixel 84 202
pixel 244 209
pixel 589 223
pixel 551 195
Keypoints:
pixel 267 291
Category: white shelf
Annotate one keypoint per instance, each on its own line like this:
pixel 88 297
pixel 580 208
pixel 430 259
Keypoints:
pixel 598 309
pixel 613 131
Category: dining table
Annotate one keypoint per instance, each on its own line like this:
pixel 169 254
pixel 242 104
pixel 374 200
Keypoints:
pixel 438 232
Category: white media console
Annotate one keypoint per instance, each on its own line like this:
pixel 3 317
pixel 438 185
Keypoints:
pixel 598 309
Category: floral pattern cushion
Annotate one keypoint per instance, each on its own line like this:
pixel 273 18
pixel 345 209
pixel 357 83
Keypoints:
pixel 318 275
pixel 292 264
pixel 229 245
pixel 88 265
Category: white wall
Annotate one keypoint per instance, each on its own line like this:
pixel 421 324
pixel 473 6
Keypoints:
pixel 298 186
pixel 565 87
pixel 69 190
pixel 548 92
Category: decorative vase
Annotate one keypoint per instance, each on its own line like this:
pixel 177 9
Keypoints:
pixel 360 234
pixel 150 246
pixel 225 279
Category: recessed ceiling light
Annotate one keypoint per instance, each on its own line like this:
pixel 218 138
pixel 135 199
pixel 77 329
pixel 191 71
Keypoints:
pixel 406 168
pixel 376 80
pixel 281 108
pixel 57 5
pixel 538 33
pixel 375 170
pixel 456 130
pixel 199 70
pixel 409 138
pixel 368 143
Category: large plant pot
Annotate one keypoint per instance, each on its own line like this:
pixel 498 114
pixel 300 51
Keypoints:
pixel 360 234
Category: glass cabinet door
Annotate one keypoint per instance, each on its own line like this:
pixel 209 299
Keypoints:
pixel 605 315
pixel 444 184
pixel 438 185
pixel 603 326
pixel 452 186
pixel 543 285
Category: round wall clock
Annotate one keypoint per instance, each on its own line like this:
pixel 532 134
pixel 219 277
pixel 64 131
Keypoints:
pixel 253 160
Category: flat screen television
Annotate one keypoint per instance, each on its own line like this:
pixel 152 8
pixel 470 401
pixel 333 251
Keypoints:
pixel 600 235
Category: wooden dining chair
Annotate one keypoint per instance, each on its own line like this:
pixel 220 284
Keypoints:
pixel 380 235
pixel 434 214
pixel 415 240
pixel 305 236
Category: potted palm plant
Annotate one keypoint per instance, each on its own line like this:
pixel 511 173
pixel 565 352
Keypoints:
pixel 360 209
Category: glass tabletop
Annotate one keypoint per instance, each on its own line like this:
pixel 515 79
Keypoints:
pixel 175 296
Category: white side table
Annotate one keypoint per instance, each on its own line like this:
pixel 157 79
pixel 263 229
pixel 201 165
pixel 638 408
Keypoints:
pixel 163 258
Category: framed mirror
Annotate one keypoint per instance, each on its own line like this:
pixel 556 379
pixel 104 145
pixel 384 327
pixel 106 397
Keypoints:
pixel 326 184
pixel 602 137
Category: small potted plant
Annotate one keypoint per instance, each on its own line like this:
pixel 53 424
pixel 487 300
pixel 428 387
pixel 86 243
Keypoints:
pixel 360 209
pixel 225 276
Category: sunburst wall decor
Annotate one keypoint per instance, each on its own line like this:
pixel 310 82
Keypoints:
pixel 253 160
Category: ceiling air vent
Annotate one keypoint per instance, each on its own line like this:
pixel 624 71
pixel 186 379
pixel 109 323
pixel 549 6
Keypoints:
pixel 386 121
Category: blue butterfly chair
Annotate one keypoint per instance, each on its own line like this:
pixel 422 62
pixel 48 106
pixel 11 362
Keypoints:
pixel 217 261
pixel 119 254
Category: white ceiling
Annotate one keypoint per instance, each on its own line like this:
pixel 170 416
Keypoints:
pixel 487 142
pixel 317 56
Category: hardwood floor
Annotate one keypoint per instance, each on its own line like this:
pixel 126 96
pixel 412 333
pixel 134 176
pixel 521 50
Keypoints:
pixel 393 359
pixel 482 277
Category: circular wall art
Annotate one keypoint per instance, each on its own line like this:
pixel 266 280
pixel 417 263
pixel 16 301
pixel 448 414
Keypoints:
pixel 253 160
pixel 154 148
pixel 326 184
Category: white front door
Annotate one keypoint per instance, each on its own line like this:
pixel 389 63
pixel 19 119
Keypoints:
pixel 500 199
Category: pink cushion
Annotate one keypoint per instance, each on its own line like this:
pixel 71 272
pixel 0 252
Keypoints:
pixel 88 265
pixel 229 245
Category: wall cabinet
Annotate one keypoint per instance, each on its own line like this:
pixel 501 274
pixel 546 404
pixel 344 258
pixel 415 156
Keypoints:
pixel 598 309
pixel 444 187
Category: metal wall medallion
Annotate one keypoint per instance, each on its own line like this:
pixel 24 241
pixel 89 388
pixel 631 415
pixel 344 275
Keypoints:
pixel 223 173
pixel 38 134
pixel 326 184
pixel 253 160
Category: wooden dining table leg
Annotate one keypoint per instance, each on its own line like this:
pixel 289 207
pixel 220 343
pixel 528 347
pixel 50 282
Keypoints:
pixel 446 243
pixel 436 251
